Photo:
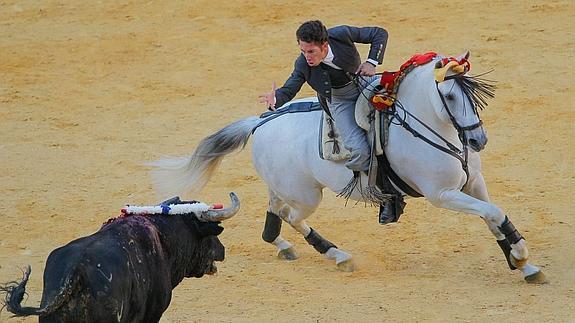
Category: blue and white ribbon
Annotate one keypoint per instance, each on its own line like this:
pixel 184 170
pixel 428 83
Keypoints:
pixel 166 209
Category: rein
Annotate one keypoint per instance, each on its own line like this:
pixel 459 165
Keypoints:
pixel 452 150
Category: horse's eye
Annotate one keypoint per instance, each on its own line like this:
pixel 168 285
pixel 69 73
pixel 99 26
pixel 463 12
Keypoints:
pixel 450 97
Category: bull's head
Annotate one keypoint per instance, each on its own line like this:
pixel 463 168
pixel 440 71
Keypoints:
pixel 210 248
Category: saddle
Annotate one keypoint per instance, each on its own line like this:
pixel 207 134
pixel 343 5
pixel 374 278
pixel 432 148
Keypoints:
pixel 329 141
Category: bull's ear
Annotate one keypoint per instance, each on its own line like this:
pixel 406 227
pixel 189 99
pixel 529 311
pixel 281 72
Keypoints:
pixel 203 229
pixel 464 55
pixel 209 228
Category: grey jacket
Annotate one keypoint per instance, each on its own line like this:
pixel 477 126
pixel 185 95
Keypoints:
pixel 342 41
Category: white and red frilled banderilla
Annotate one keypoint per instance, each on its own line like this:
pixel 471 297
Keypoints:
pixel 169 209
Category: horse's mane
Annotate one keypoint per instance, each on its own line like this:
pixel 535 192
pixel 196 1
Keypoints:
pixel 476 88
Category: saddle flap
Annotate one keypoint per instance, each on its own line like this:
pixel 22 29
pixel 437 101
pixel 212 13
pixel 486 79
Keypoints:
pixel 330 142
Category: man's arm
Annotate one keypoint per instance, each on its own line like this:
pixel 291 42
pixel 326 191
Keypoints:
pixel 375 36
pixel 292 86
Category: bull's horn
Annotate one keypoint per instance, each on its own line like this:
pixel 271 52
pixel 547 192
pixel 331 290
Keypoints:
pixel 213 215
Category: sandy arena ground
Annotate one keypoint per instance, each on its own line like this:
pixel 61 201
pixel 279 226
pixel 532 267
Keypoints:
pixel 91 89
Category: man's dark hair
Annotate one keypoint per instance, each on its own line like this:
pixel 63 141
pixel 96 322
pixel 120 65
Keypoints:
pixel 312 31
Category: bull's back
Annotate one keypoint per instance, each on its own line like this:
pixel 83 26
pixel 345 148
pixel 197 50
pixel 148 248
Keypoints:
pixel 111 275
pixel 69 289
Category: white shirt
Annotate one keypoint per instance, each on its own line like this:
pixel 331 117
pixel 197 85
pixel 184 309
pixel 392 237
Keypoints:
pixel 328 59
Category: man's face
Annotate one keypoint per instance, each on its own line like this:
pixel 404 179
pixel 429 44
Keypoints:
pixel 313 52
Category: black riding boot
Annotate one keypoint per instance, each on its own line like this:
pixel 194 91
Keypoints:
pixel 391 210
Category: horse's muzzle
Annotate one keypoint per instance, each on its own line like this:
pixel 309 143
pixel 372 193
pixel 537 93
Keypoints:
pixel 477 144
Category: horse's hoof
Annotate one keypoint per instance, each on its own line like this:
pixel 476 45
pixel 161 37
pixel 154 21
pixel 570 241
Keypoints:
pixel 536 278
pixel 346 265
pixel 288 254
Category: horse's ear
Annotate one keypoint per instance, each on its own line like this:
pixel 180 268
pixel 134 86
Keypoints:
pixel 464 55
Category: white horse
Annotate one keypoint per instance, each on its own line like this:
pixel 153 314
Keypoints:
pixel 286 156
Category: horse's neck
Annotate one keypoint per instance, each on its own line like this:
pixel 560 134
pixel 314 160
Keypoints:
pixel 419 97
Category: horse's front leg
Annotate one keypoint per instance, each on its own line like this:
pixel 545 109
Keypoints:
pixel 476 188
pixel 295 216
pixel 499 224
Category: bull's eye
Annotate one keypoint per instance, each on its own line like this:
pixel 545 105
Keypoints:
pixel 450 97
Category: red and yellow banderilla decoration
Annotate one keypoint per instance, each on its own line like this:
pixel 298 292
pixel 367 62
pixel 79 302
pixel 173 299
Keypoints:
pixel 382 101
pixel 390 81
pixel 461 66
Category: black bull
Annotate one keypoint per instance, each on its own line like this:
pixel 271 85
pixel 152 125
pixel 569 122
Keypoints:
pixel 126 271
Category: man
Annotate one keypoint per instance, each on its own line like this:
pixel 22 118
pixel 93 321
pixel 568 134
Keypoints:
pixel 328 61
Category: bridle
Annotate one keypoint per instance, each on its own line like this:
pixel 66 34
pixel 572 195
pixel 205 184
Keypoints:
pixel 460 130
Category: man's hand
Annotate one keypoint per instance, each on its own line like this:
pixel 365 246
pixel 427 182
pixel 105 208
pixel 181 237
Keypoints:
pixel 269 98
pixel 366 69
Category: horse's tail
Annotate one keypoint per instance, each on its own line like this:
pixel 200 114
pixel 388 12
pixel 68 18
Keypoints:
pixel 15 292
pixel 173 176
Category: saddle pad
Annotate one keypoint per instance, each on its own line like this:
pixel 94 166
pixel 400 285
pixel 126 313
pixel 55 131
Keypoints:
pixel 296 106
pixel 330 148
pixel 330 143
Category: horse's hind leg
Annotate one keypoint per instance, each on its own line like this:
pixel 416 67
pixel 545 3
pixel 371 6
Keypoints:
pixel 476 188
pixel 295 215
pixel 277 211
pixel 296 219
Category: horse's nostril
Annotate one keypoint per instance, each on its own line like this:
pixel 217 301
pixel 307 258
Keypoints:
pixel 475 144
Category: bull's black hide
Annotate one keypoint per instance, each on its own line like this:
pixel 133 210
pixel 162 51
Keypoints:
pixel 125 272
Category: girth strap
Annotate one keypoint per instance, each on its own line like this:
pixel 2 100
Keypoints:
pixel 389 172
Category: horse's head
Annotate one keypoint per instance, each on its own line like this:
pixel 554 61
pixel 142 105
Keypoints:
pixel 459 97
